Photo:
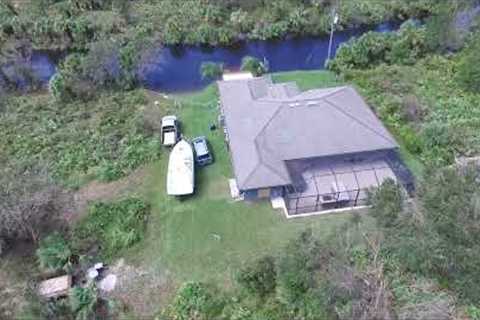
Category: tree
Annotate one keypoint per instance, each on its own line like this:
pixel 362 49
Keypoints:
pixel 259 278
pixel 30 203
pixel 211 70
pixel 253 65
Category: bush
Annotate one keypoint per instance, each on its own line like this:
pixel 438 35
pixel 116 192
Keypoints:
pixel 410 138
pixel 211 70
pixel 386 203
pixel 115 226
pixel 106 65
pixel 360 53
pixel 259 278
pixel 473 312
pixel 253 65
pixel 83 301
pixel 194 300
pixel 408 45
pixel 297 266
pixel 468 74
pixel 402 47
pixel 54 252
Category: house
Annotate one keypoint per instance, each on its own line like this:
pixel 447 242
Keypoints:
pixel 319 150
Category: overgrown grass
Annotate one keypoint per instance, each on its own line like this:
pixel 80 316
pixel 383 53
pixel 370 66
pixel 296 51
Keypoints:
pixel 105 139
pixel 429 113
pixel 113 226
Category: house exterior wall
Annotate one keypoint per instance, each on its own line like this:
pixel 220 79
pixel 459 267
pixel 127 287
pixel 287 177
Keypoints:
pixel 262 193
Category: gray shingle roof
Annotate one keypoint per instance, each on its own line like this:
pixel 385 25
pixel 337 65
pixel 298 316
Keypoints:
pixel 269 124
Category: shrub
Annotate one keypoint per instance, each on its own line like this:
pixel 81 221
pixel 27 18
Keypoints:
pixel 83 301
pixel 468 74
pixel 386 202
pixel 106 65
pixel 297 266
pixel 402 47
pixel 253 65
pixel 115 226
pixel 410 138
pixel 241 21
pixel 259 278
pixel 363 52
pixel 54 252
pixel 211 70
pixel 408 45
pixel 194 300
pixel 473 312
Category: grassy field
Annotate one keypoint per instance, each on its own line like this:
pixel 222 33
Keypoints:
pixel 207 236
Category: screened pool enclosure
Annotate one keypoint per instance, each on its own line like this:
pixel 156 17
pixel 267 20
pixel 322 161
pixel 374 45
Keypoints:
pixel 333 183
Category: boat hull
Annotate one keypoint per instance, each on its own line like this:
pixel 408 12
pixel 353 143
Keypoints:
pixel 181 170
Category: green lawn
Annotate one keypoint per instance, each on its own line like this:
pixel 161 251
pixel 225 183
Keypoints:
pixel 308 79
pixel 207 236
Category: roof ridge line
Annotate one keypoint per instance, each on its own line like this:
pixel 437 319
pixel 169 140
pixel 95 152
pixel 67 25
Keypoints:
pixel 337 89
pixel 259 155
pixel 251 173
pixel 359 121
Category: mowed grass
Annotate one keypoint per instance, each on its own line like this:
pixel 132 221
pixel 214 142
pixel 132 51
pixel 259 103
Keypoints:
pixel 208 236
pixel 308 79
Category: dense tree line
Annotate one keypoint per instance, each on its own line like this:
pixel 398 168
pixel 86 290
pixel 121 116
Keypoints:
pixel 73 23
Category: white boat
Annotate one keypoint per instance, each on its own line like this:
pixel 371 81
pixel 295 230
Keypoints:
pixel 181 170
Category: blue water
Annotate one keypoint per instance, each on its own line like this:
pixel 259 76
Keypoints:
pixel 177 69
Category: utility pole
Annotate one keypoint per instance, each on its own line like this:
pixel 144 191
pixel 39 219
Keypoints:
pixel 332 27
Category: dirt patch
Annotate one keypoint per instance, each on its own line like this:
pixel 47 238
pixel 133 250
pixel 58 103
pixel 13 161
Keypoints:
pixel 100 191
pixel 144 291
